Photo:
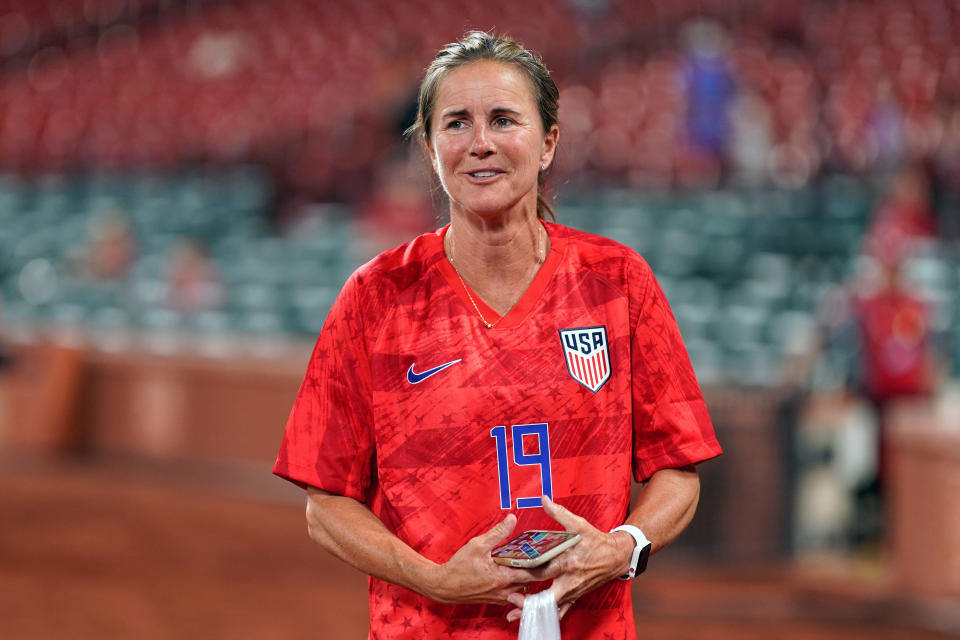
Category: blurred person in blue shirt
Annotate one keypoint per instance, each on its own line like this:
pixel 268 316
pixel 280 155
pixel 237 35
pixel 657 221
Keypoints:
pixel 710 87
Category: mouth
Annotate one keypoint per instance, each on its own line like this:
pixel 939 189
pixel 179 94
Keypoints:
pixel 484 174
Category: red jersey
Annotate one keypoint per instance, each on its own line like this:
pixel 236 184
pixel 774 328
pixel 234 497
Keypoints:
pixel 413 406
pixel 895 330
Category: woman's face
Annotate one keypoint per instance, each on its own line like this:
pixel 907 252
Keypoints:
pixel 487 141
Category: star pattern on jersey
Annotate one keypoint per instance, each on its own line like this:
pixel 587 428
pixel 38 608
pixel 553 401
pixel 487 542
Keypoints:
pixel 423 456
pixel 413 476
pixel 620 406
pixel 350 317
pixel 650 349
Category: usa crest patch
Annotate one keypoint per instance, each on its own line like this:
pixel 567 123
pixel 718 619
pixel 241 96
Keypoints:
pixel 587 354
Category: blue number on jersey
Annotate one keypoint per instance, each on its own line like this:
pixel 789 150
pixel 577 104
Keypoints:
pixel 541 458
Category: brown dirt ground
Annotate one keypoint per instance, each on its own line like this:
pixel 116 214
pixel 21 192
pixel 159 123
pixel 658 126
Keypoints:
pixel 107 549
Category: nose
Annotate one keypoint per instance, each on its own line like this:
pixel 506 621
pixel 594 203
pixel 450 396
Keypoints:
pixel 481 146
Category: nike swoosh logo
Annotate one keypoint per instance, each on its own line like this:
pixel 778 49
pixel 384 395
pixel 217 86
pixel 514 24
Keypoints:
pixel 415 378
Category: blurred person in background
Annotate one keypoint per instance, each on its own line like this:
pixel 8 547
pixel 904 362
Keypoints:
pixel 905 217
pixel 193 281
pixel 885 124
pixel 883 325
pixel 399 206
pixel 751 139
pixel 710 88
pixel 500 373
pixel 894 327
pixel 110 250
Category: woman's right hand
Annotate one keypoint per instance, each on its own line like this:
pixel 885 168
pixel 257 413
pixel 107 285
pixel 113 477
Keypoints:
pixel 471 575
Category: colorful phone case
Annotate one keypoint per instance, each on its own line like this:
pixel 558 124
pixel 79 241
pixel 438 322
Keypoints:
pixel 533 548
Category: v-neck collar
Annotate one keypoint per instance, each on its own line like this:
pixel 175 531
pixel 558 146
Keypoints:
pixel 527 301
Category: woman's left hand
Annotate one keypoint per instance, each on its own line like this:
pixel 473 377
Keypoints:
pixel 595 560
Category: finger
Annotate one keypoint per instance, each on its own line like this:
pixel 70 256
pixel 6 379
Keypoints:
pixel 569 520
pixel 548 571
pixel 519 577
pixel 562 607
pixel 516 599
pixel 556 592
pixel 562 594
pixel 498 532
pixel 514 614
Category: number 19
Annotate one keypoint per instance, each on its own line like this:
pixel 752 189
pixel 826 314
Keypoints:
pixel 541 458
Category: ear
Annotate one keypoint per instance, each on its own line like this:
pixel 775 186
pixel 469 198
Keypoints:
pixel 428 149
pixel 550 140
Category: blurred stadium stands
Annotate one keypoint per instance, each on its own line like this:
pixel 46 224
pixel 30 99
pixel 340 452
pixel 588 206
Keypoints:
pixel 744 270
pixel 317 90
pixel 108 103
pixel 197 178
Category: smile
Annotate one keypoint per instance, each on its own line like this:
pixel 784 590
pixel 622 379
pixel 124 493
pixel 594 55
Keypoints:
pixel 483 175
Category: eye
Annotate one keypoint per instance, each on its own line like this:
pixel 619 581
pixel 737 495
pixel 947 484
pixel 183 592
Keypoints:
pixel 456 124
pixel 502 121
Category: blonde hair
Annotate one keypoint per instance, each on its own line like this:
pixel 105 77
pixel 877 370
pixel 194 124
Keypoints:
pixel 474 47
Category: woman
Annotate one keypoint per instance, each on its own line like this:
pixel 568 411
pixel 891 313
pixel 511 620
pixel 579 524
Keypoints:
pixel 464 375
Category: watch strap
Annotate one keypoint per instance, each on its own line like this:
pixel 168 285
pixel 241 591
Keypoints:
pixel 641 551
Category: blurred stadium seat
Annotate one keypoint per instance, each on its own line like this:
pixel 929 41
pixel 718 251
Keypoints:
pixel 185 184
pixel 741 268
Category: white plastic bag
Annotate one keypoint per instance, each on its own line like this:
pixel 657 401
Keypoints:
pixel 540 620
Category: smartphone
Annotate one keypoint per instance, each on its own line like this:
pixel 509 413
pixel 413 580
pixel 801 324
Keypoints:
pixel 533 548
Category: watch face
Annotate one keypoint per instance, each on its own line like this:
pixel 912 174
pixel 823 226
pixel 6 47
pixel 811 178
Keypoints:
pixel 638 561
pixel 642 559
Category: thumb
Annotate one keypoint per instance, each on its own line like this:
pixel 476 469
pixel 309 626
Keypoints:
pixel 499 531
pixel 567 519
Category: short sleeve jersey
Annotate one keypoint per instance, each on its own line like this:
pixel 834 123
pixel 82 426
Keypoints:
pixel 895 331
pixel 441 425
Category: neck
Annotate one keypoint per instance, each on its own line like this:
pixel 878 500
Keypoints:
pixel 497 259
pixel 495 247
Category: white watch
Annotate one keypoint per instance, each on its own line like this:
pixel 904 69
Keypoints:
pixel 641 552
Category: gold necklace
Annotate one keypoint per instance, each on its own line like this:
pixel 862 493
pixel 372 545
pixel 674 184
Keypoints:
pixel 466 289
